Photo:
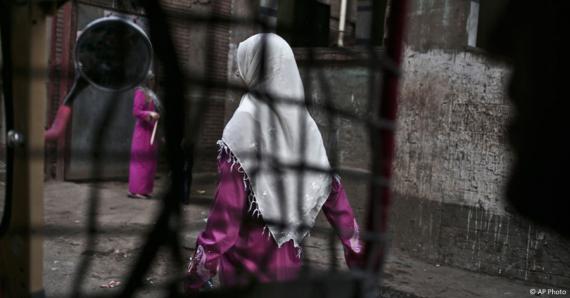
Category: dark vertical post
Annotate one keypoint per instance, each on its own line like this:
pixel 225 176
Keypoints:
pixel 383 145
pixel 21 252
pixel 66 80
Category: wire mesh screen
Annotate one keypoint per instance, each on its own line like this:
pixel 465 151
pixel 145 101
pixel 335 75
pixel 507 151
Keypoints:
pixel 357 125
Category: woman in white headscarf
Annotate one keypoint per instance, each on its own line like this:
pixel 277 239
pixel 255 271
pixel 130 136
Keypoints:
pixel 274 178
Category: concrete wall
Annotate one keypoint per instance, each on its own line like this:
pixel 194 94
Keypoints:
pixel 452 159
pixel 246 10
pixel 344 86
pixel 451 135
pixel 438 24
pixel 451 167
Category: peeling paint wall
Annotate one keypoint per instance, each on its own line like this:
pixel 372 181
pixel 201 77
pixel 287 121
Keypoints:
pixel 451 137
pixel 453 160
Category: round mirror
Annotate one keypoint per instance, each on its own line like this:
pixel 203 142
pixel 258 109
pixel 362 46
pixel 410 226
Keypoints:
pixel 113 54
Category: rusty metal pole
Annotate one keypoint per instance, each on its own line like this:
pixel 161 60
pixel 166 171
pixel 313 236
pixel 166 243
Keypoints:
pixel 21 249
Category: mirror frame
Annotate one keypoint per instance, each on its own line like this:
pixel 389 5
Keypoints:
pixel 102 22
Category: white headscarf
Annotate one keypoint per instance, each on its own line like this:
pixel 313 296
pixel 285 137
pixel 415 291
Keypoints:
pixel 283 134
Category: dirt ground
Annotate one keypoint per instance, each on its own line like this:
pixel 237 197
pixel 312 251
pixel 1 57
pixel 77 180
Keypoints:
pixel 123 224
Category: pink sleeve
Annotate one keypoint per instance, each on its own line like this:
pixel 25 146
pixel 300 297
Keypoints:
pixel 222 228
pixel 340 215
pixel 139 106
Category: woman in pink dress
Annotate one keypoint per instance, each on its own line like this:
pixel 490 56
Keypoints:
pixel 265 205
pixel 143 152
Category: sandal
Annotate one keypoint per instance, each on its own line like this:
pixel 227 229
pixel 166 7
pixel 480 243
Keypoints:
pixel 136 196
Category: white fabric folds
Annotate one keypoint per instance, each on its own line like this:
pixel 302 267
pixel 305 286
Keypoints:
pixel 273 135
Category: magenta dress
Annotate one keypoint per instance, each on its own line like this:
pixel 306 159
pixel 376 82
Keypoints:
pixel 143 155
pixel 237 243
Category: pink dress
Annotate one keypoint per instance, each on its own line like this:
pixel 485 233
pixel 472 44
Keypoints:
pixel 235 241
pixel 143 155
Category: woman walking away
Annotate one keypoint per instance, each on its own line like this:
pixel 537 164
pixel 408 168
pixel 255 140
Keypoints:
pixel 265 206
pixel 143 147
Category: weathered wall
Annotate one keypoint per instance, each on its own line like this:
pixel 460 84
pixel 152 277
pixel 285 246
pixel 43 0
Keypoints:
pixel 344 86
pixel 451 145
pixel 245 10
pixel 438 24
pixel 451 166
pixel 453 161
